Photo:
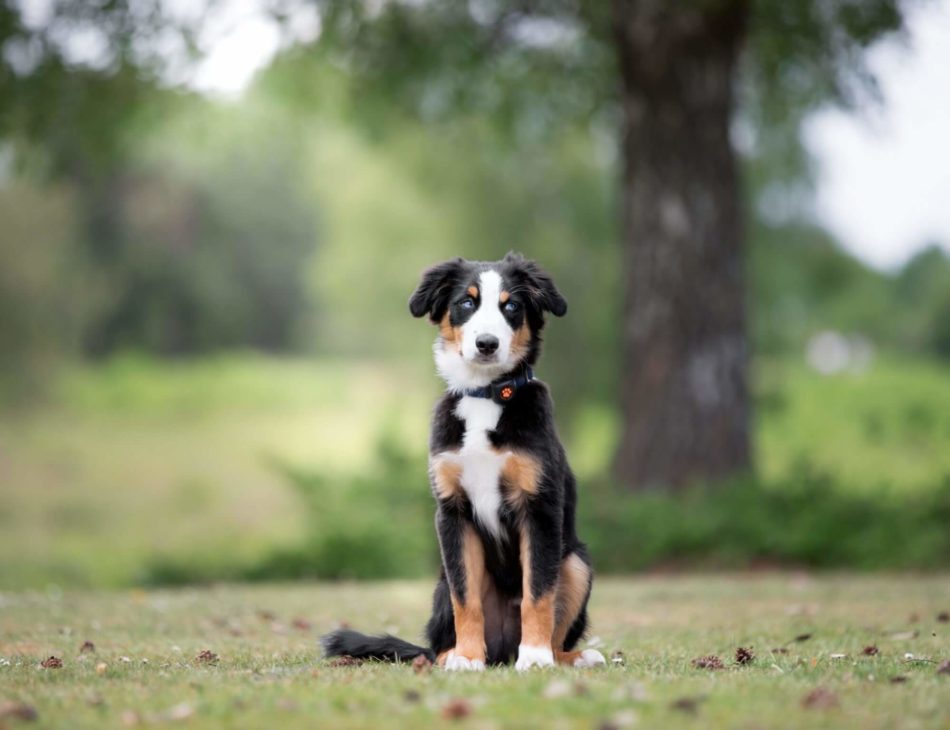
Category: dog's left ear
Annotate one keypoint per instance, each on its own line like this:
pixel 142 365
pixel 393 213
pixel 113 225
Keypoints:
pixel 432 295
pixel 541 285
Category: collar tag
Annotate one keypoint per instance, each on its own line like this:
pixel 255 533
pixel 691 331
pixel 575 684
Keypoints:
pixel 502 391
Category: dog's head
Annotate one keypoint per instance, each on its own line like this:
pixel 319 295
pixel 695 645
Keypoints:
pixel 490 315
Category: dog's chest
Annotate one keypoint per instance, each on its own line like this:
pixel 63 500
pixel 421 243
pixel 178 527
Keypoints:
pixel 481 464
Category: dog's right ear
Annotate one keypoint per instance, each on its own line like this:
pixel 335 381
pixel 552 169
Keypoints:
pixel 432 295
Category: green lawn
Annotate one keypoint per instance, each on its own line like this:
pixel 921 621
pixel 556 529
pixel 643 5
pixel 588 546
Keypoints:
pixel 269 672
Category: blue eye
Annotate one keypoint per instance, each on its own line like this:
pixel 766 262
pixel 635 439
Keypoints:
pixel 468 303
pixel 512 307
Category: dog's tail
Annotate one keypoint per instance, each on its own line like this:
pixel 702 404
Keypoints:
pixel 360 646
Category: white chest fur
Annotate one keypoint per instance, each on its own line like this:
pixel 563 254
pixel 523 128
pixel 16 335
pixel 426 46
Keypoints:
pixel 481 464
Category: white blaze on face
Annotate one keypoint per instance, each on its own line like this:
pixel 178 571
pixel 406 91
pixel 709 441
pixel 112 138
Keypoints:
pixel 487 320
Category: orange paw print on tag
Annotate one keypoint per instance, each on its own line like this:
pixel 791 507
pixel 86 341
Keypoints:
pixel 506 393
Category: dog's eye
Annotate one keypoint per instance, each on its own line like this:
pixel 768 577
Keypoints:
pixel 467 303
pixel 511 306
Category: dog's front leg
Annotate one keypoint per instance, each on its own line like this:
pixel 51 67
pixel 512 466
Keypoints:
pixel 464 561
pixel 540 562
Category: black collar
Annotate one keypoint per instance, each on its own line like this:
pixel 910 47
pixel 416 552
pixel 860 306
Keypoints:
pixel 503 390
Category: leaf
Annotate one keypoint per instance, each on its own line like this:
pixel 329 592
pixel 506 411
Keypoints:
pixel 457 709
pixel 820 699
pixel 899 679
pixel 206 657
pixel 689 705
pixel 52 662
pixel 710 661
pixel 421 664
pixel 943 617
pixel 802 637
pixel 87 647
pixel 870 650
pixel 18 711
pixel 744 655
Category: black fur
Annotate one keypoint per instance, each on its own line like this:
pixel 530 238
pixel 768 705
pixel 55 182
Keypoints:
pixel 526 425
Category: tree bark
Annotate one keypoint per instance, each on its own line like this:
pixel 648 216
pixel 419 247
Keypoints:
pixel 684 382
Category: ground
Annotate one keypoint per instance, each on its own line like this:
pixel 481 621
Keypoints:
pixel 807 633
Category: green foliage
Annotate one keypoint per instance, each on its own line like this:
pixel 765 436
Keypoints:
pixel 803 520
pixel 371 524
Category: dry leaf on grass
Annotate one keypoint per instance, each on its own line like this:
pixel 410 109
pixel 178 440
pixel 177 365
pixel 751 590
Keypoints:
pixel 421 664
pixel 745 655
pixel 943 617
pixel 820 699
pixel 87 647
pixel 689 705
pixel 457 709
pixel 802 637
pixel 710 661
pixel 18 711
pixel 52 662
pixel 206 657
pixel 899 679
pixel 870 650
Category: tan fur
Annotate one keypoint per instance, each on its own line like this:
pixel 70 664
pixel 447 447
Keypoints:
pixel 469 618
pixel 572 585
pixel 537 612
pixel 473 292
pixel 504 297
pixel 520 475
pixel 446 478
pixel 451 336
pixel 521 340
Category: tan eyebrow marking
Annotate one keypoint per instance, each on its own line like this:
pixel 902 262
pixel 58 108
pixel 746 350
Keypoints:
pixel 504 297
pixel 473 291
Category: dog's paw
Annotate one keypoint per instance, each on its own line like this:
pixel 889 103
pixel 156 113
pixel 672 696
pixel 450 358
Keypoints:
pixel 590 658
pixel 458 663
pixel 534 656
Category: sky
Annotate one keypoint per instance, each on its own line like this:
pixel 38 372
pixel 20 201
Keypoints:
pixel 884 174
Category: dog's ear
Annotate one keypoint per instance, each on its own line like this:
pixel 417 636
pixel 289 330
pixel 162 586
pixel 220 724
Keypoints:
pixel 541 287
pixel 432 295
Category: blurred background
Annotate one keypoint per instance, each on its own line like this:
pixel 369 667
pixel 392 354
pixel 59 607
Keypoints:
pixel 212 213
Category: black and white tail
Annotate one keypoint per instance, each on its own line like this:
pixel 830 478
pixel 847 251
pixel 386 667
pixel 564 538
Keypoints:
pixel 360 646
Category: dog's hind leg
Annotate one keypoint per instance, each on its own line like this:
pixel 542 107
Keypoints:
pixel 570 615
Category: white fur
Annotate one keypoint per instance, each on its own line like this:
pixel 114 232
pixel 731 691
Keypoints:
pixel 590 658
pixel 534 656
pixel 461 369
pixel 481 464
pixel 458 663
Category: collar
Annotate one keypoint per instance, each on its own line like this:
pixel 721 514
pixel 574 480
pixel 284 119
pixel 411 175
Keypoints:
pixel 503 390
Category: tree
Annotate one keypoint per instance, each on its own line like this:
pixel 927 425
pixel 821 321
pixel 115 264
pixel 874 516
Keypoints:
pixel 674 75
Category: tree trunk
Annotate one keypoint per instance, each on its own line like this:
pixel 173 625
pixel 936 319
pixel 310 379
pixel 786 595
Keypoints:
pixel 684 391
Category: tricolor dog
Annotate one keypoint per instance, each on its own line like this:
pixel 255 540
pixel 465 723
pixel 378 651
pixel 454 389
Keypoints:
pixel 515 578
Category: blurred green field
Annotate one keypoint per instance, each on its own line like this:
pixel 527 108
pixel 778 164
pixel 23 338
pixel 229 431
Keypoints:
pixel 144 667
pixel 135 463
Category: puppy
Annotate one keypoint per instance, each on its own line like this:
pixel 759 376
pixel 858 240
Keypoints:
pixel 515 578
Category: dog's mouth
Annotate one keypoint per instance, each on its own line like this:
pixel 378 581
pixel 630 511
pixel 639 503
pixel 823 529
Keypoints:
pixel 481 359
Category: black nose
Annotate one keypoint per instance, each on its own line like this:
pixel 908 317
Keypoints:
pixel 486 344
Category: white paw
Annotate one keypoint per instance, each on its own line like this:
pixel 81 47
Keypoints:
pixel 534 656
pixel 590 658
pixel 457 663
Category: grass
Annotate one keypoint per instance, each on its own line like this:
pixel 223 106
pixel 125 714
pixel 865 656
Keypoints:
pixel 269 671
